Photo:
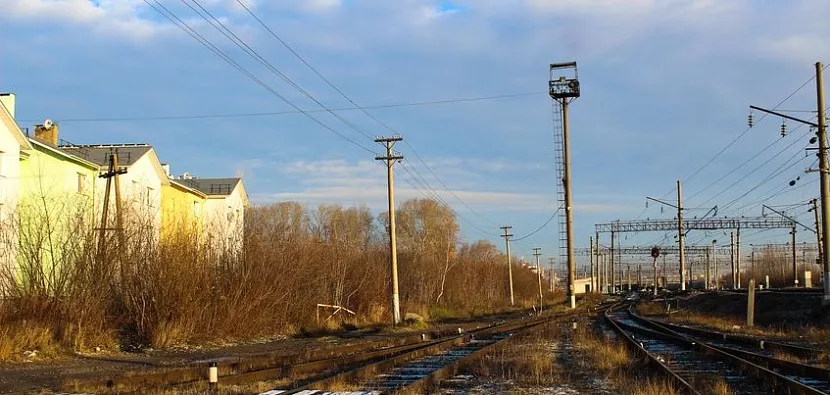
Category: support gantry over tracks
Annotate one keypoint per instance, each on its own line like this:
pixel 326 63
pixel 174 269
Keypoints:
pixel 685 225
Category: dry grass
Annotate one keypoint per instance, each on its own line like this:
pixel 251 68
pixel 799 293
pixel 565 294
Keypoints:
pixel 601 355
pixel 65 295
pixel 650 308
pixel 734 325
pixel 526 359
pixel 613 360
pixel 647 386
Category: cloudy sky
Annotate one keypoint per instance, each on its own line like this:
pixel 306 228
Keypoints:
pixel 666 87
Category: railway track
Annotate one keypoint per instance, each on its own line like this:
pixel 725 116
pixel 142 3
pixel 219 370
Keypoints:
pixel 422 368
pixel 299 363
pixel 698 364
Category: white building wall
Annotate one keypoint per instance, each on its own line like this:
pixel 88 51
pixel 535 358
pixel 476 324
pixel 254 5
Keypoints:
pixel 9 185
pixel 224 221
pixel 140 197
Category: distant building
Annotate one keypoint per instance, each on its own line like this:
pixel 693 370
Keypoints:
pixel 13 146
pixel 182 212
pixel 224 211
pixel 141 186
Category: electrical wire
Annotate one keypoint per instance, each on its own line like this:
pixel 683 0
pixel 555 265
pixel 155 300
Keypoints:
pixel 172 17
pixel 362 109
pixel 278 113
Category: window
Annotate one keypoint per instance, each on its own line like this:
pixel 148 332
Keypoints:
pixel 197 209
pixel 81 183
pixel 134 193
pixel 149 199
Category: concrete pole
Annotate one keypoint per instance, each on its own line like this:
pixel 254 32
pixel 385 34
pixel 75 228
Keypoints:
pixel 390 160
pixel 823 176
pixel 568 205
pixel 613 274
pixel 714 265
pixel 738 257
pixel 639 276
pixel 681 252
pixel 591 258
pixel 628 274
pixel 599 271
pixel 708 265
pixel 605 273
pixel 655 277
pixel 795 265
pixel 752 265
pixel 536 254
pixel 732 259
pixel 551 261
pixel 750 304
pixel 507 236
pixel 814 202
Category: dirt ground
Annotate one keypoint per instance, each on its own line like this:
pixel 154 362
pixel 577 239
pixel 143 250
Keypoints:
pixel 48 376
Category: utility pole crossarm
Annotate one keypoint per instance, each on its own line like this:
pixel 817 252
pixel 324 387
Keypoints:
pixel 713 211
pixel 788 217
pixel 662 202
pixel 813 124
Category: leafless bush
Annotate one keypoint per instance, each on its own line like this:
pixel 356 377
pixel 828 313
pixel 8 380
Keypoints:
pixel 73 287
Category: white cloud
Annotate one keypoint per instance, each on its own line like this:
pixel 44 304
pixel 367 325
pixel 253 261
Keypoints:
pixel 110 16
pixel 340 181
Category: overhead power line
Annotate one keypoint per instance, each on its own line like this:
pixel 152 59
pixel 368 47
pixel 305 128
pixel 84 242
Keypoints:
pixel 287 112
pixel 172 17
pixel 363 110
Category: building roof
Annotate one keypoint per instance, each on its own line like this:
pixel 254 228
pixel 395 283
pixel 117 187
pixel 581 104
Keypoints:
pixel 211 186
pixel 99 153
pixel 184 186
pixel 7 119
pixel 77 159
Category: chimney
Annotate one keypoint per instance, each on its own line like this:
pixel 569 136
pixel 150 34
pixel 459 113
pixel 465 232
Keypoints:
pixel 166 167
pixel 47 133
pixel 7 100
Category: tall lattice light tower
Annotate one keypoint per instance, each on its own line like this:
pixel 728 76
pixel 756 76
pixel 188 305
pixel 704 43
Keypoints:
pixel 563 87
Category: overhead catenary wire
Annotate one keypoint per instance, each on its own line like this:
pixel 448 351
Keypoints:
pixel 362 109
pixel 151 118
pixel 172 17
pixel 243 45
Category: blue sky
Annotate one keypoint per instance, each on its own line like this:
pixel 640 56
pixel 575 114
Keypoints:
pixel 665 84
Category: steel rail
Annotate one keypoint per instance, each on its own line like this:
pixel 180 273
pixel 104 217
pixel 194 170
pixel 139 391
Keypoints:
pixel 371 370
pixel 761 343
pixel 771 378
pixel 651 359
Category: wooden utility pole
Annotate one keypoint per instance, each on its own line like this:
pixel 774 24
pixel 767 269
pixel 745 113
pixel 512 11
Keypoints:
pixel 537 254
pixel 112 173
pixel 390 159
pixel 681 253
pixel 507 235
